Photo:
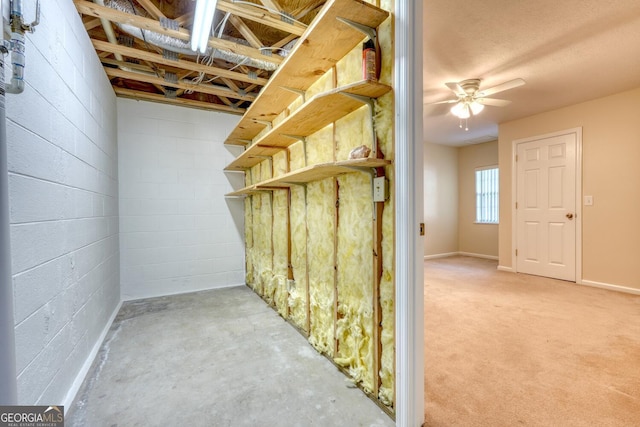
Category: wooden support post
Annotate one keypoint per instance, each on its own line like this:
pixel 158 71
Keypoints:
pixel 378 208
pixel 247 260
pixel 290 276
pixel 306 244
pixel 336 223
pixel 289 263
pixel 273 252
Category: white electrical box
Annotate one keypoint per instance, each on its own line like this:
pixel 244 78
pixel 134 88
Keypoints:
pixel 588 200
pixel 379 189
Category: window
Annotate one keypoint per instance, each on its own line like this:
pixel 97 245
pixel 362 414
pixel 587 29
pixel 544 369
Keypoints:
pixel 487 195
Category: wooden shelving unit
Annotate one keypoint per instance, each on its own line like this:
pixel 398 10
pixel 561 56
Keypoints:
pixel 322 45
pixel 338 28
pixel 242 192
pixel 311 173
pixel 318 112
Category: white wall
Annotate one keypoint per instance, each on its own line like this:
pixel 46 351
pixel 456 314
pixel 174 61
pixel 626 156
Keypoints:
pixel 63 193
pixel 610 173
pixel 474 238
pixel 177 232
pixel 440 199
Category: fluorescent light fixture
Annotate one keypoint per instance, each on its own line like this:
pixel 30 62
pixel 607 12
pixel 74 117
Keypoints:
pixel 202 21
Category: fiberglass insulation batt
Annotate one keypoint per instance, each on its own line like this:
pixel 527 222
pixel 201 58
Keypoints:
pixel 309 248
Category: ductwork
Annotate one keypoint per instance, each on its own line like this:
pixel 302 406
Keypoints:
pixel 181 46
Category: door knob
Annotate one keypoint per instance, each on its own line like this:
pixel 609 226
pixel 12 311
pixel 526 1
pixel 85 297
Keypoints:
pixel 570 215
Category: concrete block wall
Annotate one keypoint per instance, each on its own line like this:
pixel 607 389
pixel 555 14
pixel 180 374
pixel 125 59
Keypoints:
pixel 177 232
pixel 62 158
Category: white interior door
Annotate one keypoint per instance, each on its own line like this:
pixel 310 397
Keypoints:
pixel 546 206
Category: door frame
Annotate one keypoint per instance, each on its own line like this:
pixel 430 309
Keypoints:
pixel 578 195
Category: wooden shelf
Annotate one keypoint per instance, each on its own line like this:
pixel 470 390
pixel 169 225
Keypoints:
pixel 311 173
pixel 242 192
pixel 324 43
pixel 315 114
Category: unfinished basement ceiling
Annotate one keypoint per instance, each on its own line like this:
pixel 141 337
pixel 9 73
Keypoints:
pixel 144 47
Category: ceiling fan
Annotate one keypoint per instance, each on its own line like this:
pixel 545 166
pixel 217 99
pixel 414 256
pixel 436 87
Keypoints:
pixel 471 100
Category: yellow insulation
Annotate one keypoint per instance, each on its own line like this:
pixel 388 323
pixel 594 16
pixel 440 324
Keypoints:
pixel 384 111
pixel 262 241
pixel 323 84
pixel 298 291
pixel 262 231
pixel 352 131
pixel 318 151
pixel 320 223
pixel 387 299
pixel 350 67
pixel 355 279
pixel 384 124
pixel 280 164
pixel 296 155
pixel 311 218
pixel 277 286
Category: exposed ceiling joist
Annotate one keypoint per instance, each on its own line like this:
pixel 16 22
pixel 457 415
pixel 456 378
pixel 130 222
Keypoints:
pixel 272 4
pixel 284 41
pixel 204 88
pixel 245 31
pixel 117 16
pixel 151 8
pixel 184 19
pixel 134 94
pixel 144 46
pixel 261 16
pixel 231 84
pixel 180 63
pixel 124 64
pixel 92 23
pixel 304 10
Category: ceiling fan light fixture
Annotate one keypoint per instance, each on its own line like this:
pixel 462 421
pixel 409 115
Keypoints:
pixel 461 110
pixel 202 21
pixel 476 107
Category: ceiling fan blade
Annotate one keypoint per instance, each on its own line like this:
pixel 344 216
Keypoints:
pixel 456 88
pixel 501 87
pixel 448 101
pixel 493 102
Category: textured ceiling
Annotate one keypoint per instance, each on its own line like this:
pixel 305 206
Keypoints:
pixel 568 51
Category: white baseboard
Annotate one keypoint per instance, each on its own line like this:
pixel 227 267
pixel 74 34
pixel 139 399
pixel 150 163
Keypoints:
pixel 492 257
pixel 450 254
pixel 445 255
pixel 507 269
pixel 611 287
pixel 77 383
pixel 186 291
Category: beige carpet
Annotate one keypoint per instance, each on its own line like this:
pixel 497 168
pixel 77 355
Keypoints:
pixel 505 349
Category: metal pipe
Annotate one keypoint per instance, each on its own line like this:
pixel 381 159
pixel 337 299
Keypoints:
pixel 8 379
pixel 17 48
pixel 108 30
pixel 18 28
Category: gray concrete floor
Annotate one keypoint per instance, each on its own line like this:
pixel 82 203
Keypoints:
pixel 214 358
